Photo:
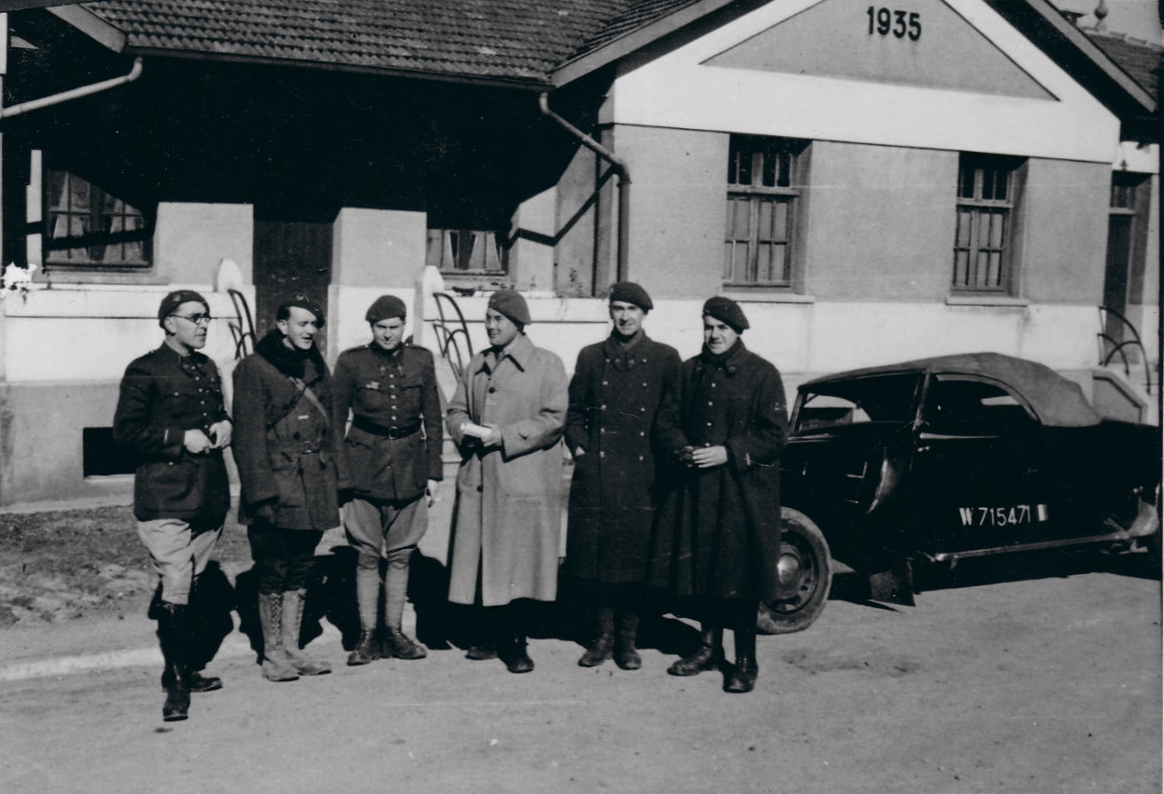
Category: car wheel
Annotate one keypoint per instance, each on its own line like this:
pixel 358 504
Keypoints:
pixel 804 575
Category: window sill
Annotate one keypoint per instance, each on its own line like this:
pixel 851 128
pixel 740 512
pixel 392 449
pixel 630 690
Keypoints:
pixel 761 296
pixel 60 277
pixel 987 300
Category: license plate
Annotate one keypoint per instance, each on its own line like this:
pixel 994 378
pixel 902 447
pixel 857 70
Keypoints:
pixel 1012 515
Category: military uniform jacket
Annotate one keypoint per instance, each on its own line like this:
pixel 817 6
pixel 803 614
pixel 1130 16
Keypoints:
pixel 162 396
pixel 393 446
pixel 718 529
pixel 614 396
pixel 282 440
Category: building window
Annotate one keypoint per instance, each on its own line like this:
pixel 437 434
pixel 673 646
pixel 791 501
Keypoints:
pixel 86 226
pixel 466 252
pixel 983 242
pixel 763 194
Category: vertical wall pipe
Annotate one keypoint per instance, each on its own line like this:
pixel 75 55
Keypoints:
pixel 624 182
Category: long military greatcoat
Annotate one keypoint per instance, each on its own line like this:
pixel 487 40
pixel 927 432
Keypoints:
pixel 507 519
pixel 718 529
pixel 162 396
pixel 614 396
pixel 282 441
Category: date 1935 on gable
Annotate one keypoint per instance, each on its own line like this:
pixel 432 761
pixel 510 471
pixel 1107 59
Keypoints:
pixel 901 24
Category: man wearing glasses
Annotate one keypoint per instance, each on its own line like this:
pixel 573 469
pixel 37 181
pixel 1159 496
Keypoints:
pixel 171 412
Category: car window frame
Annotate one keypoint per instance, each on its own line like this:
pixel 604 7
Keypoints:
pixel 922 424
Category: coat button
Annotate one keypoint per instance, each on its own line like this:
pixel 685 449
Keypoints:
pixel 295 436
pixel 479 489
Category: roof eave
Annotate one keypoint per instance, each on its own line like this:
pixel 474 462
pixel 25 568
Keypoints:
pixel 1047 14
pixel 578 67
pixel 91 25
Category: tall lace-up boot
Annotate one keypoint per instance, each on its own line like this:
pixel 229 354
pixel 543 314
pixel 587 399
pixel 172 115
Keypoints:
pixel 276 666
pixel 292 618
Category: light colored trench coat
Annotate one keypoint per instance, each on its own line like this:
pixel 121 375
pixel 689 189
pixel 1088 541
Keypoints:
pixel 508 512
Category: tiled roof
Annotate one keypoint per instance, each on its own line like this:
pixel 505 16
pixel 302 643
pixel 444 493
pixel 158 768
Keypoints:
pixel 501 39
pixel 1142 60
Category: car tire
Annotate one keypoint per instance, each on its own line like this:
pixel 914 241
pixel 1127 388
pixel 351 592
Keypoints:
pixel 805 574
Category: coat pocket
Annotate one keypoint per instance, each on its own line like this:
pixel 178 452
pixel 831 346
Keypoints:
pixel 285 467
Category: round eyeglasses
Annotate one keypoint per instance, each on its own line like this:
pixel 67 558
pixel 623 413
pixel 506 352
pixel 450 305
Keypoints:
pixel 197 319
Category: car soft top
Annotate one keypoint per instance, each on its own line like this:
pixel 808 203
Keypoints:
pixel 1056 400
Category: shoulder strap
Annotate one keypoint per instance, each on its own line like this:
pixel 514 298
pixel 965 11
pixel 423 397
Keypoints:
pixel 306 391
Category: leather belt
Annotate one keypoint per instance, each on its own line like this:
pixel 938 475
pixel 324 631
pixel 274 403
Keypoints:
pixel 368 426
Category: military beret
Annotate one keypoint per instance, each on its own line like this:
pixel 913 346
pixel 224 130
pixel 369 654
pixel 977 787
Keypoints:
pixel 300 302
pixel 175 299
pixel 386 307
pixel 510 303
pixel 726 310
pixel 629 292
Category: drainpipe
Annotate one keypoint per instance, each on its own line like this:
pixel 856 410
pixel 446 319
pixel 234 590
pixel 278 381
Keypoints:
pixel 624 182
pixel 74 93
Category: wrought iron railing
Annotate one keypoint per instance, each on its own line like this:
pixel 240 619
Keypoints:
pixel 452 333
pixel 242 325
pixel 1110 347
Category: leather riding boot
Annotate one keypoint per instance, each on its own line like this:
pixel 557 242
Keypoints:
pixel 600 648
pixel 626 656
pixel 175 679
pixel 708 656
pixel 742 676
pixel 195 661
pixel 275 664
pixel 393 641
pixel 292 618
pixel 368 603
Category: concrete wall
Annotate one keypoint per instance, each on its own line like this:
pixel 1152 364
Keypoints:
pixel 1064 234
pixel 677 208
pixel 192 239
pixel 879 224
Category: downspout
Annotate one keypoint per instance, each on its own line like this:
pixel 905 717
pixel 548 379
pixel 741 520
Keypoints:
pixel 624 182
pixel 73 93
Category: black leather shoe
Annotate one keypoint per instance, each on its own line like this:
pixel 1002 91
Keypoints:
pixel 708 657
pixel 626 656
pixel 597 652
pixel 482 652
pixel 204 683
pixel 518 661
pixel 742 677
pixel 366 650
pixel 177 697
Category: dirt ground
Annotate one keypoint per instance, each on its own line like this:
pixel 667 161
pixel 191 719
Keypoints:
pixel 1038 675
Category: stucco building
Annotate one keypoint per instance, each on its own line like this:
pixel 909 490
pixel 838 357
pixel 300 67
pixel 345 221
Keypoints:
pixel 873 183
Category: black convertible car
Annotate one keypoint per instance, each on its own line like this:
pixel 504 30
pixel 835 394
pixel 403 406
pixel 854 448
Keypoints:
pixel 943 459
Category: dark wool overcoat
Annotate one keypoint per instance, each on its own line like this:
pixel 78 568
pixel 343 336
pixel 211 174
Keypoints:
pixel 162 396
pixel 507 521
pixel 282 441
pixel 393 446
pixel 614 397
pixel 717 530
